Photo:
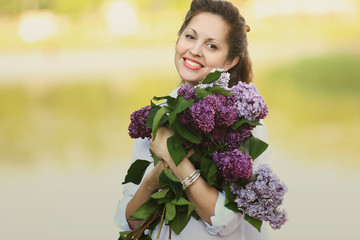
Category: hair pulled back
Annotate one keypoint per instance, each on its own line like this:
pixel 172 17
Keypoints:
pixel 236 39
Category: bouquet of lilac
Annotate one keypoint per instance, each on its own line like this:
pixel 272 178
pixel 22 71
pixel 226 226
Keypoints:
pixel 216 120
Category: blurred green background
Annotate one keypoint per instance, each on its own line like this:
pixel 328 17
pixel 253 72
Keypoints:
pixel 71 73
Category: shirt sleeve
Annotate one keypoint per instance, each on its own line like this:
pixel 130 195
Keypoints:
pixel 140 150
pixel 260 132
pixel 226 221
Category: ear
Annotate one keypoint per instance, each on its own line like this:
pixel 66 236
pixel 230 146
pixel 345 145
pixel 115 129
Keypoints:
pixel 232 63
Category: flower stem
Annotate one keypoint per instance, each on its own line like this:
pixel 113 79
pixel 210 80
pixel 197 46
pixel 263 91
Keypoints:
pixel 169 232
pixel 161 223
pixel 137 232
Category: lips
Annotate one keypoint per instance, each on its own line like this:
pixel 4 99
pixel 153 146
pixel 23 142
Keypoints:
pixel 192 64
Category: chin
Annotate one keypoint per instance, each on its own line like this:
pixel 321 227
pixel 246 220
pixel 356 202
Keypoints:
pixel 190 78
pixel 190 81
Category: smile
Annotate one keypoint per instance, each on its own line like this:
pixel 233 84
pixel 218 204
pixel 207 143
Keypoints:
pixel 192 64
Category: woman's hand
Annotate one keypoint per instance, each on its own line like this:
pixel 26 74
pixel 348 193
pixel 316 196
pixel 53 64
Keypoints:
pixel 202 195
pixel 159 145
pixel 146 188
pixel 152 179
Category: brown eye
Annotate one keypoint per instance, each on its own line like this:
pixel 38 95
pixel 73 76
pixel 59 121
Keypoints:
pixel 189 36
pixel 247 27
pixel 212 46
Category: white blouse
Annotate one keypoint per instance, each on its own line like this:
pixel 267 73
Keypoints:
pixel 226 224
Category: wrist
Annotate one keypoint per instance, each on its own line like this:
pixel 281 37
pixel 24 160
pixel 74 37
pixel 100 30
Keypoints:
pixel 184 169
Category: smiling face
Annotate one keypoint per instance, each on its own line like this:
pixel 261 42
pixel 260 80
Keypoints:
pixel 201 47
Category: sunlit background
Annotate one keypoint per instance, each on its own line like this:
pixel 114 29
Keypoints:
pixel 71 73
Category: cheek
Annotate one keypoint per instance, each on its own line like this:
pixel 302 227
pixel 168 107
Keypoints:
pixel 181 46
pixel 217 60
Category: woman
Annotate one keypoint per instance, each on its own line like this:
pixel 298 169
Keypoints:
pixel 213 35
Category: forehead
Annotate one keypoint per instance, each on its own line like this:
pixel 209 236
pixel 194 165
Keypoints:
pixel 209 25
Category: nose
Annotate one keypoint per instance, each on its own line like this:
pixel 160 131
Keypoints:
pixel 196 50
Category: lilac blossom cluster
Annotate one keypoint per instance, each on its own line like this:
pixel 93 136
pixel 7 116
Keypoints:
pixel 249 103
pixel 203 113
pixel 262 197
pixel 233 164
pixel 223 80
pixel 213 110
pixel 137 127
pixel 225 114
pixel 187 91
pixel 228 138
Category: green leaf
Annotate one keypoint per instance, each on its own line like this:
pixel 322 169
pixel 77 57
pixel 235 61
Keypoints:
pixel 191 209
pixel 169 196
pixel 211 77
pixel 160 98
pixel 254 222
pixel 186 133
pixel 160 194
pixel 178 140
pixel 170 175
pixel 177 153
pixel 181 201
pixel 170 212
pixel 136 171
pixel 171 102
pixel 167 178
pixel 242 148
pixel 212 174
pixel 180 106
pixel 159 114
pixel 205 164
pixel 156 158
pixel 147 210
pixel 180 221
pixel 242 121
pixel 233 206
pixel 219 90
pixel 256 147
pixel 151 115
pixel 186 205
pixel 202 93
pixel 229 196
pixel 195 215
pixel 122 236
pixel 154 105
pixel 229 199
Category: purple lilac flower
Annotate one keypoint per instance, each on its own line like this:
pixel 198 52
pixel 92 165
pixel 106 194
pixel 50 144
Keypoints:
pixel 225 111
pixel 235 138
pixel 233 165
pixel 185 117
pixel 187 91
pixel 230 139
pixel 137 127
pixel 249 103
pixel 203 113
pixel 223 80
pixel 262 197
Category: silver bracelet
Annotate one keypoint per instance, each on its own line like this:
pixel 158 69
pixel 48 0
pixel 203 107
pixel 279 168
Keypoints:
pixel 190 179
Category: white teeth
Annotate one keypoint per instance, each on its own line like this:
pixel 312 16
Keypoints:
pixel 194 64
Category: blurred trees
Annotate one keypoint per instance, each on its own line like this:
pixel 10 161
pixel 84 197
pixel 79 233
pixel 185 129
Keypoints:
pixel 71 7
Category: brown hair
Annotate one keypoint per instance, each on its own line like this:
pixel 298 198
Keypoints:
pixel 236 38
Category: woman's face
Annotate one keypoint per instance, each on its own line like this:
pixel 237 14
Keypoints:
pixel 201 47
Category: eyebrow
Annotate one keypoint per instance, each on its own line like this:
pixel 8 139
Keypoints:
pixel 211 39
